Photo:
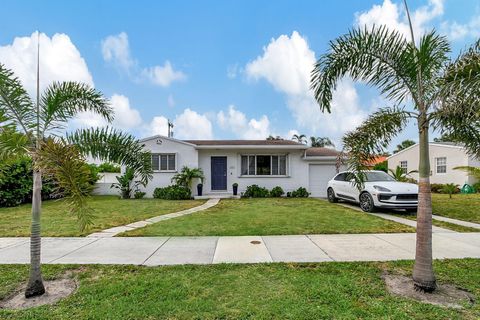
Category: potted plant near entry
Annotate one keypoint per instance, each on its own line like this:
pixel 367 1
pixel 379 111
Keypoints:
pixel 235 188
pixel 200 189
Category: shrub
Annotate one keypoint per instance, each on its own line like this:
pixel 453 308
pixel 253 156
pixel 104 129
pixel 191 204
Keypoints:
pixel 300 193
pixel 476 186
pixel 16 183
pixel 254 191
pixel 173 192
pixel 436 187
pixel 277 192
pixel 108 167
pixel 382 166
pixel 139 195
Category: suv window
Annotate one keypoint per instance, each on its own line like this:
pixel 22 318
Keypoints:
pixel 340 177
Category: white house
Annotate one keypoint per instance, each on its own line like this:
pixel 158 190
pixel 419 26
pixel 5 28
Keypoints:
pixel 267 163
pixel 444 156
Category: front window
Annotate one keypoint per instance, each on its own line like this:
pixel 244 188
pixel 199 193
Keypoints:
pixel 377 176
pixel 404 166
pixel 442 165
pixel 264 165
pixel 164 162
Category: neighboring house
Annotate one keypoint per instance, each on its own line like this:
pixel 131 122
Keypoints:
pixel 444 156
pixel 377 160
pixel 267 163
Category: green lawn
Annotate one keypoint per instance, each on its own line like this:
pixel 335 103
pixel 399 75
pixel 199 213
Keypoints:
pixel 271 216
pixel 462 206
pixel 110 211
pixel 261 291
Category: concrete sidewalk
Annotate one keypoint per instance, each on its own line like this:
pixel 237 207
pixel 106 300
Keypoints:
pixel 152 251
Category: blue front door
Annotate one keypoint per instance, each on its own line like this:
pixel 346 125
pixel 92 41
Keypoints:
pixel 219 173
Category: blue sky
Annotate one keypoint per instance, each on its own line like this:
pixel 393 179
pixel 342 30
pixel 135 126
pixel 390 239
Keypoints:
pixel 218 69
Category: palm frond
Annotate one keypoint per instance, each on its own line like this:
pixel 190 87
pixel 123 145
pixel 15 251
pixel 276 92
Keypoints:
pixel 62 101
pixel 371 139
pixel 15 103
pixel 459 100
pixel 380 57
pixel 472 171
pixel 111 145
pixel 13 143
pixel 64 163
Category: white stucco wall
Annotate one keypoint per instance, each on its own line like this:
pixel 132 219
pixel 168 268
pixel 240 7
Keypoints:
pixel 455 155
pixel 297 172
pixel 186 155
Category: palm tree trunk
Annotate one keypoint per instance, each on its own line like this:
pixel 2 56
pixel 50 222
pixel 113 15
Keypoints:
pixel 35 285
pixel 423 276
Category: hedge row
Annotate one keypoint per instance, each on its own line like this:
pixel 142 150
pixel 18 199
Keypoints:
pixel 254 191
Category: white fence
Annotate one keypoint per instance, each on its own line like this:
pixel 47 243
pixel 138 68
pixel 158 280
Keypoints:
pixel 103 185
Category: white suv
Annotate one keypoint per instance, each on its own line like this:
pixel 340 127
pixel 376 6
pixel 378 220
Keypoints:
pixel 379 191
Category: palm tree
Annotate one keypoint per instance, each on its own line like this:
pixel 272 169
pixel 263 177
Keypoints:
pixel 321 142
pixel 300 138
pixel 450 188
pixel 445 95
pixel 403 145
pixel 31 129
pixel 185 177
pixel 400 175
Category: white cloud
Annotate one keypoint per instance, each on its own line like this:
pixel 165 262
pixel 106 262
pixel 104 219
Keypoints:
pixel 187 125
pixel 286 64
pixel 163 75
pixel 60 60
pixel 457 31
pixel 115 49
pixel 158 125
pixel 192 125
pixel 237 122
pixel 125 117
pixel 393 15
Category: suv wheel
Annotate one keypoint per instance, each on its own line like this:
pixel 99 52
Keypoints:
pixel 331 196
pixel 366 202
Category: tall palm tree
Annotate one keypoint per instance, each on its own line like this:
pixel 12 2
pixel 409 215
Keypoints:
pixel 425 86
pixel 321 142
pixel 31 128
pixel 300 138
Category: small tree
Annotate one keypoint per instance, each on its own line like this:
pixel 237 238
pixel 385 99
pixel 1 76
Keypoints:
pixel 126 185
pixel 403 145
pixel 400 175
pixel 450 188
pixel 300 138
pixel 321 142
pixel 185 177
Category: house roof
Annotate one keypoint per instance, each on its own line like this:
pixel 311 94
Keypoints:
pixel 376 160
pixel 321 152
pixel 244 143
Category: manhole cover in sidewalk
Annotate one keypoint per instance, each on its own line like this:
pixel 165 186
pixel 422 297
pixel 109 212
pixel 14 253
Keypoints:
pixel 255 242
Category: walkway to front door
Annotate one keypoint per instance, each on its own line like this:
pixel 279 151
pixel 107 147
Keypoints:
pixel 219 173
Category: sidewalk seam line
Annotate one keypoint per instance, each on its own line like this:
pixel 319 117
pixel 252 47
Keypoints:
pixel 168 239
pixel 308 236
pixel 66 254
